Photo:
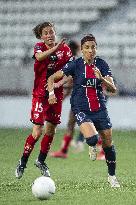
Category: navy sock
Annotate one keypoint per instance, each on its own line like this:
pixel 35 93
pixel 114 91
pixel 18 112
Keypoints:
pixel 24 160
pixel 110 156
pixel 92 141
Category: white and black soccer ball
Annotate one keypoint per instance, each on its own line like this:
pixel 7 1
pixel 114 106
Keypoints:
pixel 43 187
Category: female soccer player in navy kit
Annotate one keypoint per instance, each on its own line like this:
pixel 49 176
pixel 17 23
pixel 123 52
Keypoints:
pixel 49 58
pixel 88 101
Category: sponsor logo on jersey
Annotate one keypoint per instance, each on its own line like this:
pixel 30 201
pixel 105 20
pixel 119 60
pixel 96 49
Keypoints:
pixel 36 116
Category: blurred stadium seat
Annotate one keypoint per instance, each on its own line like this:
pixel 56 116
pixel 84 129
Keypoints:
pixel 115 34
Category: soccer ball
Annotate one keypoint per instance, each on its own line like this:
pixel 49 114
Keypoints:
pixel 43 187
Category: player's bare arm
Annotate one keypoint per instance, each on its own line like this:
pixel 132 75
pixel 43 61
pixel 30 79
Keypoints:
pixel 107 80
pixel 56 76
pixel 65 81
pixel 43 55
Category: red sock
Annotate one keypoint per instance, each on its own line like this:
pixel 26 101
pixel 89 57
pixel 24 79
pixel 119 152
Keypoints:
pixel 66 142
pixel 102 152
pixel 46 143
pixel 29 145
pixel 99 141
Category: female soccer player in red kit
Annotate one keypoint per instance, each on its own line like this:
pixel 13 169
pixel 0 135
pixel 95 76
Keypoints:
pixel 49 58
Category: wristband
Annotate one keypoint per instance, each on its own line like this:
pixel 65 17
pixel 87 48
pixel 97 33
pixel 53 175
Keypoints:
pixel 51 93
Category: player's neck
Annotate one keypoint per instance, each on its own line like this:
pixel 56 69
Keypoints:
pixel 89 61
pixel 50 45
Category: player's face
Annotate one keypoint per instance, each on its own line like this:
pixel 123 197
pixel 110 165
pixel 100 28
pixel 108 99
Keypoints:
pixel 48 35
pixel 89 50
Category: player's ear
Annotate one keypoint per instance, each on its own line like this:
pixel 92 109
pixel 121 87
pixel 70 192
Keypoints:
pixel 41 37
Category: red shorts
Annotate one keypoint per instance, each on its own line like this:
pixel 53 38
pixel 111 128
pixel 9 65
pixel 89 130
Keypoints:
pixel 41 110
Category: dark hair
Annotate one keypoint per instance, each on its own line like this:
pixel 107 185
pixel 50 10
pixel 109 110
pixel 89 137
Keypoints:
pixel 74 46
pixel 37 30
pixel 89 37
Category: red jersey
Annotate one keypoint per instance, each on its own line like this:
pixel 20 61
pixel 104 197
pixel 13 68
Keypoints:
pixel 43 69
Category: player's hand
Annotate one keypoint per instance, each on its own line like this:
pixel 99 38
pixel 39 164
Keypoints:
pixel 60 43
pixel 58 84
pixel 98 73
pixel 52 99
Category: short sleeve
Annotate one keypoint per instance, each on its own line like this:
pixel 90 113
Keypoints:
pixel 67 53
pixel 37 48
pixel 105 69
pixel 69 68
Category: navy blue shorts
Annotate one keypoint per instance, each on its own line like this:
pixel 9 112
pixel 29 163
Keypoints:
pixel 100 119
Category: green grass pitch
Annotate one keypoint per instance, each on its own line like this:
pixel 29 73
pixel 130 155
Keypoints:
pixel 78 180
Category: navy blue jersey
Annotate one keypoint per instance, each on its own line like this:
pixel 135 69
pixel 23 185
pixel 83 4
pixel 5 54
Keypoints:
pixel 87 92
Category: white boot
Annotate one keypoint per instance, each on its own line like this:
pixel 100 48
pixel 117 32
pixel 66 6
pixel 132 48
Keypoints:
pixel 93 152
pixel 113 181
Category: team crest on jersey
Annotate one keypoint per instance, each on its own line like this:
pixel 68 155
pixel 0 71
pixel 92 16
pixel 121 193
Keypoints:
pixel 59 54
pixel 66 65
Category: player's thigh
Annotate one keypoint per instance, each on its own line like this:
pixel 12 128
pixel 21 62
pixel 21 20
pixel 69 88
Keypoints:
pixel 88 129
pixel 86 124
pixel 37 111
pixel 71 121
pixel 71 118
pixel 53 113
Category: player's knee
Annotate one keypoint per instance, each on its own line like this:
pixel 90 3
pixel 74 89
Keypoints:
pixel 70 127
pixel 51 131
pixel 92 141
pixel 107 142
pixel 37 134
